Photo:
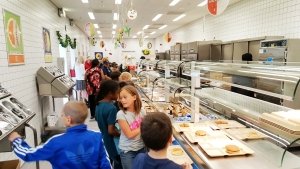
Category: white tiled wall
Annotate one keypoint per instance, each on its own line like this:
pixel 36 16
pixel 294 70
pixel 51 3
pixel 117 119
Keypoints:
pixel 20 80
pixel 245 19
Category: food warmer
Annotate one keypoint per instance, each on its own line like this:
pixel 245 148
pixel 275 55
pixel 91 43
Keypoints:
pixel 228 92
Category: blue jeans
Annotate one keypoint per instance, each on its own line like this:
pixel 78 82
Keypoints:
pixel 127 158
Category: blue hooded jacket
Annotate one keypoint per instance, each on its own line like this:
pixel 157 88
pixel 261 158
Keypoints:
pixel 78 148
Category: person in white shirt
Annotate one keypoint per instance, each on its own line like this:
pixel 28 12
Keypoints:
pixel 80 78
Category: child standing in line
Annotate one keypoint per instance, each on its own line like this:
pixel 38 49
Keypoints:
pixel 156 132
pixel 106 113
pixel 129 118
pixel 78 148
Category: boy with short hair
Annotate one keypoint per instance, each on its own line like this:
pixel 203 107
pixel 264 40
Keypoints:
pixel 156 132
pixel 78 148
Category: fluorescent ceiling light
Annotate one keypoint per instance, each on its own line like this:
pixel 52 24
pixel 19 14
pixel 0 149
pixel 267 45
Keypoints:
pixel 174 2
pixel 203 3
pixel 114 26
pixel 162 27
pixel 156 17
pixel 146 27
pixel 118 2
pixel 152 33
pixel 116 16
pixel 91 15
pixel 85 1
pixel 134 36
pixel 99 32
pixel 179 17
pixel 146 37
pixel 113 32
pixel 139 32
pixel 96 26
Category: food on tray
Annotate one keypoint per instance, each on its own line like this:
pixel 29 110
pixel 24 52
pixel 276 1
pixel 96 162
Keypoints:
pixel 220 121
pixel 200 133
pixel 252 134
pixel 231 149
pixel 184 111
pixel 184 125
pixel 177 151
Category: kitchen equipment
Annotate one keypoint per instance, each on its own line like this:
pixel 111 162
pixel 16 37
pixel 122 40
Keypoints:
pixel 53 82
pixel 14 116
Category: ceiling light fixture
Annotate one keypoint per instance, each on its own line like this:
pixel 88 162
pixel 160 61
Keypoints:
pixel 162 27
pixel 179 17
pixel 152 33
pixel 114 26
pixel 146 37
pixel 118 2
pixel 174 2
pixel 99 32
pixel 116 16
pixel 113 32
pixel 91 15
pixel 85 1
pixel 156 17
pixel 146 27
pixel 203 3
pixel 139 32
pixel 134 36
pixel 100 36
pixel 96 26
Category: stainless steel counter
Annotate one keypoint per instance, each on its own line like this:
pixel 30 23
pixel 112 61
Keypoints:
pixel 266 156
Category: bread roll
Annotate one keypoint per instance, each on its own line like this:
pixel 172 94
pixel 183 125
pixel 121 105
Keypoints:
pixel 231 149
pixel 177 151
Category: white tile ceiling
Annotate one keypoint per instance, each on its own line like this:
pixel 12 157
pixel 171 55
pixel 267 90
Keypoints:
pixel 146 9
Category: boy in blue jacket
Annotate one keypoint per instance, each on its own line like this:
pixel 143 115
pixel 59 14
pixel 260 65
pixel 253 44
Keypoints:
pixel 77 148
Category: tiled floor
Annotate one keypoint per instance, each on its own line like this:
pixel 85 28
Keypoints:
pixel 92 124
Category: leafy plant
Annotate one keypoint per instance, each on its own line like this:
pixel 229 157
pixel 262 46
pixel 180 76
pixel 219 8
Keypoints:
pixel 67 41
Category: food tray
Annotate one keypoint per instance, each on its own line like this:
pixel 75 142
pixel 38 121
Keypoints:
pixel 230 124
pixel 178 128
pixel 246 133
pixel 210 135
pixel 178 159
pixel 216 148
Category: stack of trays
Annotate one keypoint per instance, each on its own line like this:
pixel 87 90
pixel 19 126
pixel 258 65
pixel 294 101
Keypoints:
pixel 12 114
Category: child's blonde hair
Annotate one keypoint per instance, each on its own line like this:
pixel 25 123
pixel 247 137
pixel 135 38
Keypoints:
pixel 78 111
pixel 125 76
pixel 133 92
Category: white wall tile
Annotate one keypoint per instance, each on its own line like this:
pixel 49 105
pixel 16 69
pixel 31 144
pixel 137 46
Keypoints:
pixel 20 80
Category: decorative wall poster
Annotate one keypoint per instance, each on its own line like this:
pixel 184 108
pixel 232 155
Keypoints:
pixel 47 46
pixel 98 55
pixel 216 7
pixel 14 39
pixel 168 37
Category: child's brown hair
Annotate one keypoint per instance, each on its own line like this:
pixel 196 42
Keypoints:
pixel 133 92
